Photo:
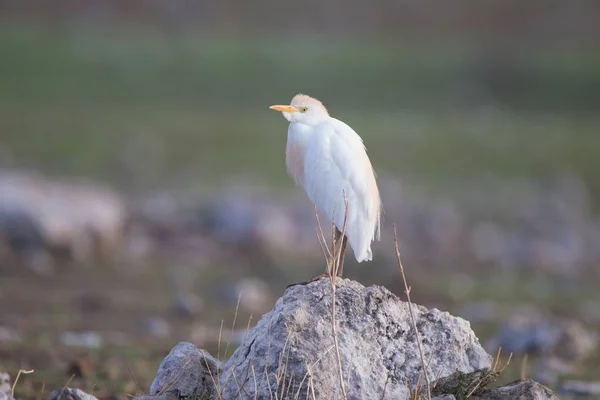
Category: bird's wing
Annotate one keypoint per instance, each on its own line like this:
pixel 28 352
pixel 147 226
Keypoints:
pixel 335 164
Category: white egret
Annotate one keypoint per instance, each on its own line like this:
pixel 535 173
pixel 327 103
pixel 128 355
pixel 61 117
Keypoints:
pixel 329 160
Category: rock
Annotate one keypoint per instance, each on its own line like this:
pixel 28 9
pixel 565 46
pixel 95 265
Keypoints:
pixel 6 396
pixel 521 389
pixel 575 342
pixel 19 231
pixel 9 335
pixel 463 385
pixel 292 346
pixel 74 220
pixel 444 397
pixel 579 388
pixel 185 371
pixel 532 333
pixel 156 327
pixel 526 332
pixel 5 386
pixel 81 339
pixel 65 393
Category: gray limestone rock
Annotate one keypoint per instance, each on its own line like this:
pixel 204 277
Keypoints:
pixel 526 389
pixel 186 371
pixel 66 393
pixel 5 386
pixel 291 350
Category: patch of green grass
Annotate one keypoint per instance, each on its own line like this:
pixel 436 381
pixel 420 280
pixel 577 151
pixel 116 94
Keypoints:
pixel 141 109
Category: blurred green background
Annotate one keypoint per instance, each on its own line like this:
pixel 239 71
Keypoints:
pixel 173 96
pixel 99 92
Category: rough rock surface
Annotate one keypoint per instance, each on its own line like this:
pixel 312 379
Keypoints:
pixel 523 390
pixel 5 386
pixel 65 393
pixel 185 371
pixel 291 350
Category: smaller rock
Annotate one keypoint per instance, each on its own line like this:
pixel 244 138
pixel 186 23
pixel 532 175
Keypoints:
pixel 580 388
pixel 575 342
pixel 461 384
pixel 81 339
pixel 65 393
pixel 156 327
pixel 522 389
pixel 526 333
pixel 6 396
pixel 185 371
pixel 444 397
pixel 5 386
pixel 9 335
pixel 534 334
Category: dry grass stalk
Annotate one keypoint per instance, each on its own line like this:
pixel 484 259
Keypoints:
pixel 21 371
pixel 412 315
pixel 524 366
pixel 333 260
pixel 491 376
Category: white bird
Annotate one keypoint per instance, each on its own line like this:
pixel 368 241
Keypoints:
pixel 329 160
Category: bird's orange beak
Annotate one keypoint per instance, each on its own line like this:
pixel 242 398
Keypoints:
pixel 287 109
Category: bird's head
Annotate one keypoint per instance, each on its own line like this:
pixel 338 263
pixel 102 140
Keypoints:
pixel 303 109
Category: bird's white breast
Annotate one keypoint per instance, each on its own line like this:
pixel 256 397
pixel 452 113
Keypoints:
pixel 298 137
pixel 336 165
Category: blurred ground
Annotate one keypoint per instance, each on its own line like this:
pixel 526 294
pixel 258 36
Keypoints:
pixel 482 123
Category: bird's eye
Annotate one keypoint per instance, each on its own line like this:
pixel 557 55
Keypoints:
pixel 303 109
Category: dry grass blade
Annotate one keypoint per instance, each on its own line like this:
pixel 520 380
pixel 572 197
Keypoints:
pixel 321 237
pixel 309 371
pixel 387 380
pixel 336 267
pixel 524 366
pixel 137 387
pixel 490 376
pixel 237 309
pixel 332 258
pixel 21 371
pixel 412 315
pixel 255 382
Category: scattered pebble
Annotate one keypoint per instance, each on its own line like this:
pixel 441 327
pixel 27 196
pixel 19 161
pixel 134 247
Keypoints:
pixel 9 335
pixel 525 333
pixel 156 327
pixel 65 393
pixel 81 339
pixel 5 386
pixel 580 388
